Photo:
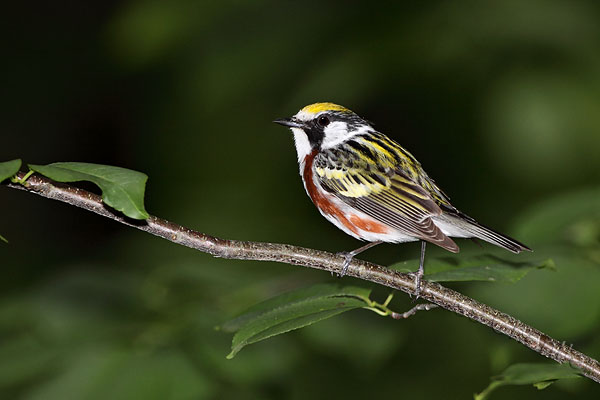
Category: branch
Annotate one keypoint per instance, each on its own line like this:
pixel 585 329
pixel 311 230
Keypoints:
pixel 242 250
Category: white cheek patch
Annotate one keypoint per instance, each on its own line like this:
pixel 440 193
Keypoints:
pixel 337 133
pixel 334 134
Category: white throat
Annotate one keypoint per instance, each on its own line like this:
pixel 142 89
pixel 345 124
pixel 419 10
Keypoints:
pixel 303 147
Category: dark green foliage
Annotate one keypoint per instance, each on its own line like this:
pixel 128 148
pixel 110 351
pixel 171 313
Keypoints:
pixel 497 267
pixel 293 310
pixel 122 189
pixel 9 168
pixel 498 100
pixel 537 374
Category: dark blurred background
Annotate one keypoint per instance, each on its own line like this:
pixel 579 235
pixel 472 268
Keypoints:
pixel 500 101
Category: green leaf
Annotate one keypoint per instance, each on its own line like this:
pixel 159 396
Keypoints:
pixel 540 375
pixel 122 189
pixel 484 267
pixel 9 168
pixel 293 310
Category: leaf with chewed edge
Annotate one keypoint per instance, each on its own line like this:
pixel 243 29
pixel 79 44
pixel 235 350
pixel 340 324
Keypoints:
pixel 122 189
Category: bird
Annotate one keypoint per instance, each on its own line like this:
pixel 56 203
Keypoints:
pixel 373 189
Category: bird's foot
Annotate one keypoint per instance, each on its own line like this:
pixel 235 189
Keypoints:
pixel 420 271
pixel 418 279
pixel 348 256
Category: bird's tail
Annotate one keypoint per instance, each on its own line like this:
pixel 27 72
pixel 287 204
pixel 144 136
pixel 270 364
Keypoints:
pixel 461 225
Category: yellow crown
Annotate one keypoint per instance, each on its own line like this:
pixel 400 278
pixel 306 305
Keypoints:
pixel 318 107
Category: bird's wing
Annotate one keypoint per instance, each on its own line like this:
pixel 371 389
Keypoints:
pixel 382 191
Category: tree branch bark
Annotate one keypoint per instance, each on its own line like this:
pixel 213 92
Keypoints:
pixel 243 250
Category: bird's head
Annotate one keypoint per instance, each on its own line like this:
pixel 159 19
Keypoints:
pixel 323 126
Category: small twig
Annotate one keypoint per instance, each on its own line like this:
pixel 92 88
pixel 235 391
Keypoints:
pixel 20 178
pixel 430 291
pixel 383 309
pixel 413 311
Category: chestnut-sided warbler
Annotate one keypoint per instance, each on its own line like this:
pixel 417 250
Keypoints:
pixel 371 188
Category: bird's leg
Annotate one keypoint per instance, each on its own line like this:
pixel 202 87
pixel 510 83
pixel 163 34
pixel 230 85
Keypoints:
pixel 421 270
pixel 350 255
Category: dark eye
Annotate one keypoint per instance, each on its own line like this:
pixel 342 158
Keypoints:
pixel 323 121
